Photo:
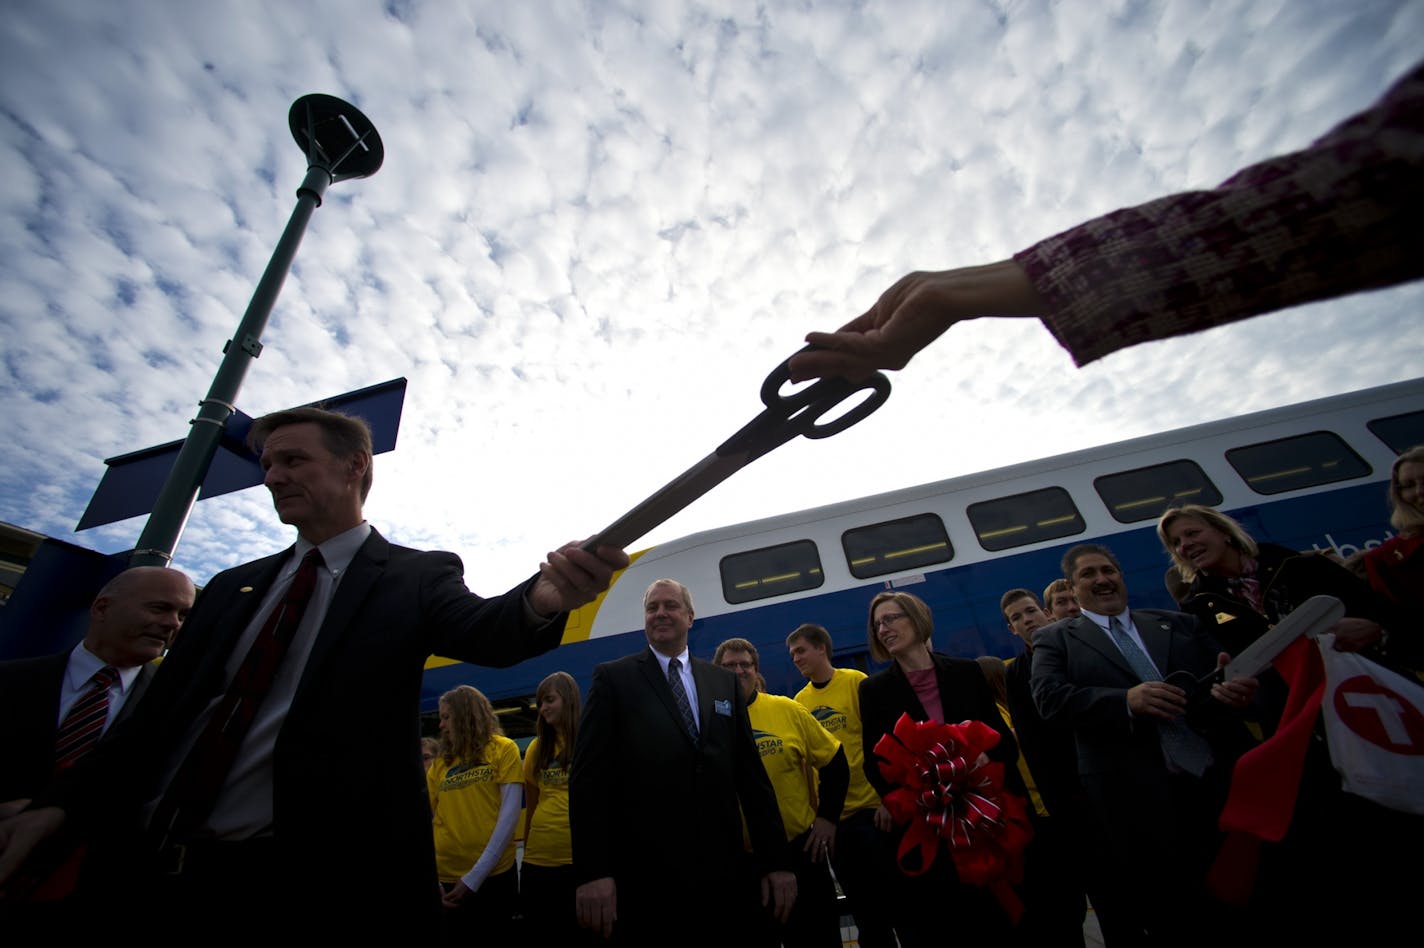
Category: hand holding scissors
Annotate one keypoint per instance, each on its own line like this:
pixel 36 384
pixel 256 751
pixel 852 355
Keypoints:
pixel 785 417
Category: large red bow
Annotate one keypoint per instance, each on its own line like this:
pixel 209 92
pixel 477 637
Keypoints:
pixel 946 788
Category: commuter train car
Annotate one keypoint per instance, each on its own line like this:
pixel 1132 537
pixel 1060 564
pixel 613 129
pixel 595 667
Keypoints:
pixel 1307 476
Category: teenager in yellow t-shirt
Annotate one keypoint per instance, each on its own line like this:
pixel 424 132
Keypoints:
pixel 547 881
pixel 792 745
pixel 475 785
pixel 862 856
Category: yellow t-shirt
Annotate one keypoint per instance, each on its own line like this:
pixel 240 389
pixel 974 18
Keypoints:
pixel 837 707
pixel 793 746
pixel 548 843
pixel 465 797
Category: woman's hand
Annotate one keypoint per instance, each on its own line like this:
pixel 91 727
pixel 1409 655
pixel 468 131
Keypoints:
pixel 1352 635
pixel 456 894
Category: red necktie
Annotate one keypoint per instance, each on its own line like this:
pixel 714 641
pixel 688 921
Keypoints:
pixel 195 787
pixel 84 723
pixel 55 871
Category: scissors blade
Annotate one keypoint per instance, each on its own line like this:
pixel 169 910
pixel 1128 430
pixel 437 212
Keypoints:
pixel 783 419
pixel 1310 618
pixel 670 499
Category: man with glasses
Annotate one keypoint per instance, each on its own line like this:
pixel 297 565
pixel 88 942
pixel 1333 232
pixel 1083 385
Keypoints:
pixel 791 745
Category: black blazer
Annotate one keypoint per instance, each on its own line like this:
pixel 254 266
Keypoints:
pixel 1049 749
pixel 350 801
pixel 653 810
pixel 965 695
pixel 29 720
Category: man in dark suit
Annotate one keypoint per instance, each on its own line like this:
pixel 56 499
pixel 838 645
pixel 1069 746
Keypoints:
pixel 1053 886
pixel 273 772
pixel 131 622
pixel 55 709
pixel 1154 757
pixel 664 768
pixel 1066 859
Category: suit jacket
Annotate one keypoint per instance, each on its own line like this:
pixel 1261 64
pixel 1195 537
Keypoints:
pixel 659 813
pixel 964 694
pixel 29 720
pixel 1049 749
pixel 1148 815
pixel 349 790
pixel 1080 679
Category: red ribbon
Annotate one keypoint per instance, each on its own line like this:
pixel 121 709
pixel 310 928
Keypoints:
pixel 946 788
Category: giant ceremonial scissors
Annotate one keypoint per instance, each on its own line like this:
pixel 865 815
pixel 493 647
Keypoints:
pixel 785 417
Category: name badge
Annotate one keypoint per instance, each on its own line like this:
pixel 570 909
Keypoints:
pixel 722 706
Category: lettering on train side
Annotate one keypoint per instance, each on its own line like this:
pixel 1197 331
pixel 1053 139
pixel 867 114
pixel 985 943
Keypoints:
pixel 1346 550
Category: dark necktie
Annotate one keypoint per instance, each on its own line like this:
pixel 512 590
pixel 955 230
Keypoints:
pixel 195 787
pixel 679 694
pixel 84 723
pixel 1184 748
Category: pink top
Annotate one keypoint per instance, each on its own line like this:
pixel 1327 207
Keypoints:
pixel 926 685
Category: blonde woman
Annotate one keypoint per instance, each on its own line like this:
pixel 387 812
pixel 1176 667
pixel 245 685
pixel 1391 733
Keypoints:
pixel 475 787
pixel 1238 588
pixel 1396 567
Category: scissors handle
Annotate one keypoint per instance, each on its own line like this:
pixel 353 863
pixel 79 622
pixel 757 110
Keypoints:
pixel 822 396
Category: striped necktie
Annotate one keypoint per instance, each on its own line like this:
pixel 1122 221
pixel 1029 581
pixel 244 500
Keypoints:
pixel 84 723
pixel 679 694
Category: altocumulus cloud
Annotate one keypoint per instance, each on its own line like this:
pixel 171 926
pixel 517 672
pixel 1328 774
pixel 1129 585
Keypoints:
pixel 599 226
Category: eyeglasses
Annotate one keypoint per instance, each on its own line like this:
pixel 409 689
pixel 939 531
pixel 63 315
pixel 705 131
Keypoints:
pixel 738 666
pixel 888 618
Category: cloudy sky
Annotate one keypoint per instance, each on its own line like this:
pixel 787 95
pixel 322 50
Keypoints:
pixel 600 224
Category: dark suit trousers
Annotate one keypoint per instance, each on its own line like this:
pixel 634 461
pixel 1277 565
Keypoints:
pixel 1163 837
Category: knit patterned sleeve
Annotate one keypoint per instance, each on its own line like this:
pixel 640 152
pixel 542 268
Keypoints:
pixel 1340 216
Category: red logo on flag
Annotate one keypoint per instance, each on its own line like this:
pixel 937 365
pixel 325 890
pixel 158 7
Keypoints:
pixel 1383 717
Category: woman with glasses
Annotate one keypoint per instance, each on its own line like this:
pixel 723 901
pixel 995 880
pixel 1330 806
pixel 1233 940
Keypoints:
pixel 475 787
pixel 929 687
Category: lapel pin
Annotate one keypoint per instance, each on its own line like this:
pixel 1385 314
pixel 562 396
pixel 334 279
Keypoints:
pixel 245 589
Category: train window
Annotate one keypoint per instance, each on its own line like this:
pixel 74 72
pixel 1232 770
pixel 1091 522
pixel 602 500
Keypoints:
pixel 1025 518
pixel 771 571
pixel 1292 463
pixel 1144 493
pixel 1400 432
pixel 896 545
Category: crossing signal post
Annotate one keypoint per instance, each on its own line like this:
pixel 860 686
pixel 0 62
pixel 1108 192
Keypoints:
pixel 339 143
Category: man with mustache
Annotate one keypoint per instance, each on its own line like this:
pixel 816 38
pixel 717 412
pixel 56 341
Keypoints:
pixel 1154 757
